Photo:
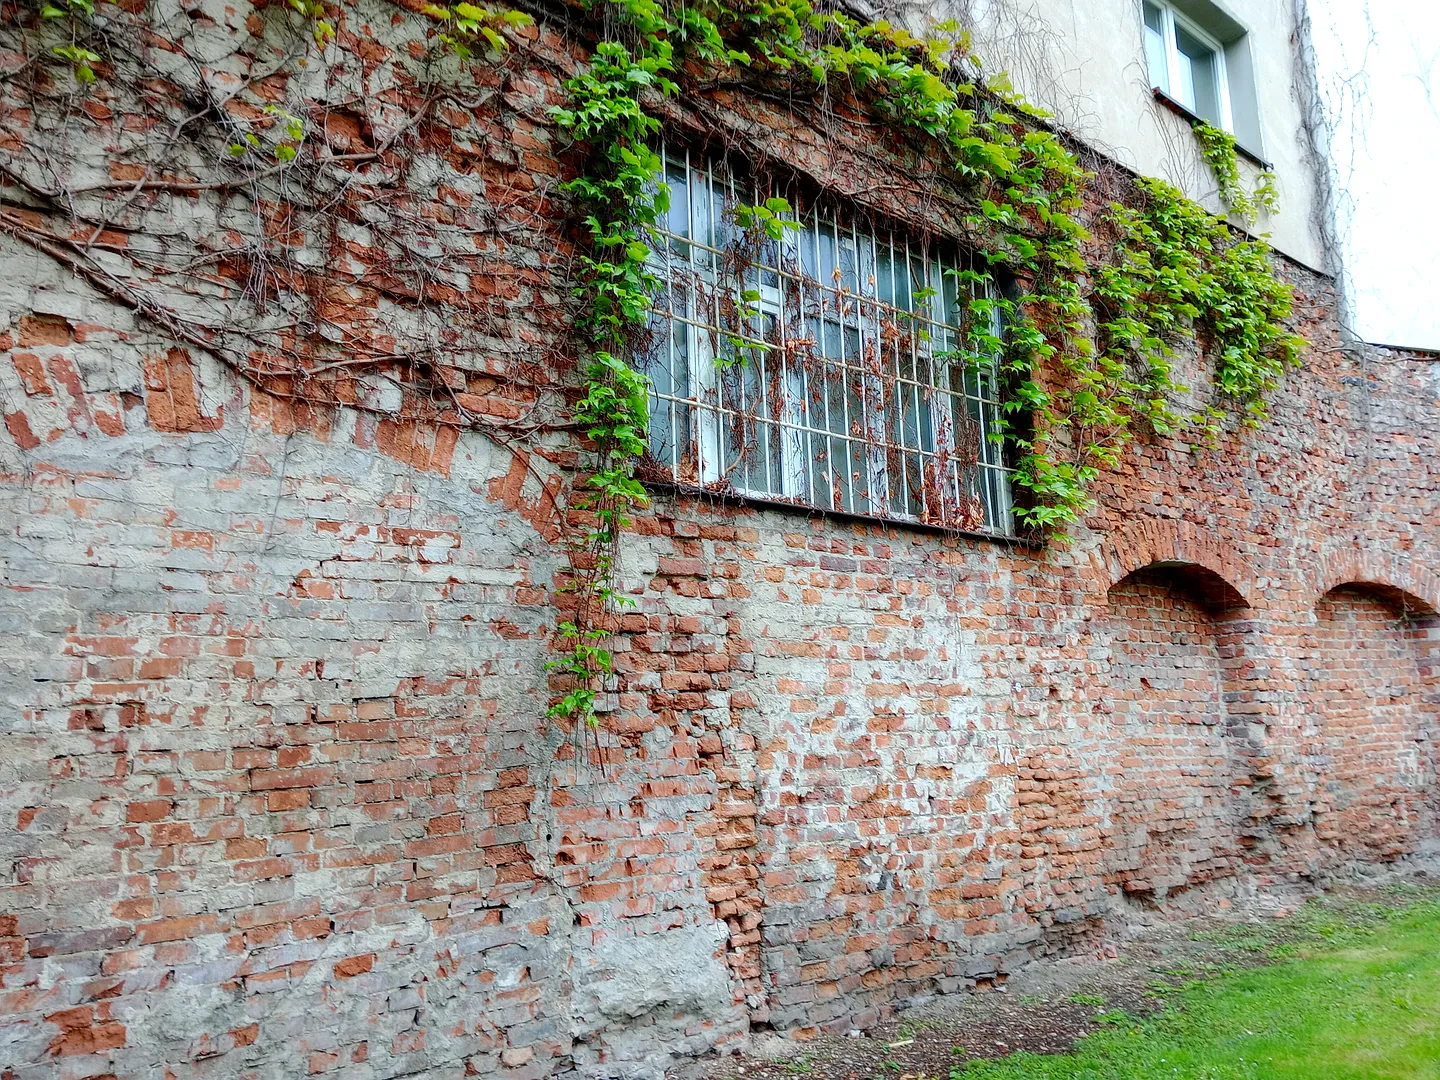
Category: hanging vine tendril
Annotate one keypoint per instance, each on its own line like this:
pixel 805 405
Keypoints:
pixel 1082 368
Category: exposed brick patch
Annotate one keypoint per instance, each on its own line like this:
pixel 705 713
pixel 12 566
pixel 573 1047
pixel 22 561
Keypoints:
pixel 170 399
pixel 31 372
pixel 542 512
pixel 1371 740
pixel 85 1030
pixel 427 447
pixel 44 330
pixel 354 965
pixel 18 425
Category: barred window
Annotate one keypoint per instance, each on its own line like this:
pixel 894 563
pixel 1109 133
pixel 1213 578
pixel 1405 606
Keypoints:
pixel 826 367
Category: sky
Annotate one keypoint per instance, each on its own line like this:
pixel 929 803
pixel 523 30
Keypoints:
pixel 1378 65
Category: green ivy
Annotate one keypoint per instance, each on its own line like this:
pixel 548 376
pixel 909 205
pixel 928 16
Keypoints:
pixel 622 196
pixel 1217 147
pixel 82 60
pixel 1083 369
pixel 1178 270
pixel 1087 348
pixel 463 27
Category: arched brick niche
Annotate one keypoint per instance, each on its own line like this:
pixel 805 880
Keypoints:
pixel 1369 668
pixel 1220 579
pixel 1400 580
pixel 1171 629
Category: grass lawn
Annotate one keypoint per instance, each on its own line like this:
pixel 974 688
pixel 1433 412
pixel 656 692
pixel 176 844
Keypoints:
pixel 1355 993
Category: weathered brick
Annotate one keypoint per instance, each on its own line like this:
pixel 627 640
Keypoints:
pixel 281 727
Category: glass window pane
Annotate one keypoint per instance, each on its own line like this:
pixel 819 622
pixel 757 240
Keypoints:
pixel 815 369
pixel 1200 87
pixel 884 271
pixel 1155 48
pixel 677 220
pixel 702 226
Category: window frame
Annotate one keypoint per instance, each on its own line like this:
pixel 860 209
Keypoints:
pixel 1171 18
pixel 863 467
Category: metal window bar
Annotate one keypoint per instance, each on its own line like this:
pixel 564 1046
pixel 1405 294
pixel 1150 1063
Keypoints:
pixel 850 389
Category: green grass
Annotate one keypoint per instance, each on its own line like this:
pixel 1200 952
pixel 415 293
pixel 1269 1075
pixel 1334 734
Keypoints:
pixel 1358 997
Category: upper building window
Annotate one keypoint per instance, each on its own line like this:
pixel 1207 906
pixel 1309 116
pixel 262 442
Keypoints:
pixel 1186 64
pixel 1199 57
pixel 835 366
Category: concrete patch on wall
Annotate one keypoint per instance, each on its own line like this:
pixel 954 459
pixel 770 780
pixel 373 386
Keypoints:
pixel 644 998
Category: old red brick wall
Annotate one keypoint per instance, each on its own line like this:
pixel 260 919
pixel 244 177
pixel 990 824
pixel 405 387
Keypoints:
pixel 1171 812
pixel 1373 753
pixel 277 790
pixel 280 788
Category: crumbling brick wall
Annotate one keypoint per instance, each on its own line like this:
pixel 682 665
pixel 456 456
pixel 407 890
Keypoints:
pixel 278 792
pixel 1171 810
pixel 1373 751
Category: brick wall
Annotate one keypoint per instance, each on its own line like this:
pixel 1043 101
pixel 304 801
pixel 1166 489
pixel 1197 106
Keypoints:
pixel 277 791
pixel 1171 814
pixel 1372 752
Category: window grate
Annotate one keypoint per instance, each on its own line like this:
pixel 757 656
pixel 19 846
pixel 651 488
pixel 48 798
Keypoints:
pixel 827 368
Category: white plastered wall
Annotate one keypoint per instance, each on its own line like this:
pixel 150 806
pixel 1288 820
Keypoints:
pixel 1084 61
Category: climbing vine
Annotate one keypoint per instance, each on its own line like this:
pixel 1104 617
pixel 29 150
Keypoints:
pixel 1177 269
pixel 1082 370
pixel 1217 147
pixel 615 289
pixel 1090 326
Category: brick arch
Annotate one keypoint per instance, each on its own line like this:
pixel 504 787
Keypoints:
pixel 1399 580
pixel 1210 567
